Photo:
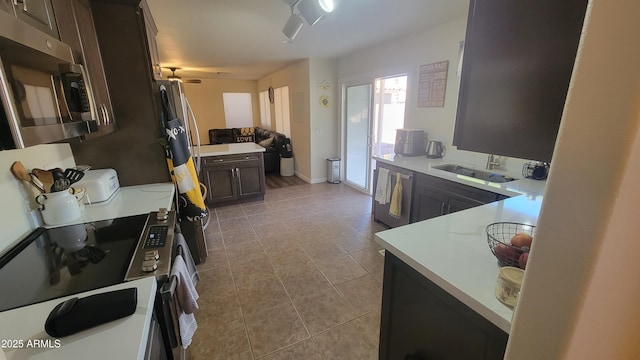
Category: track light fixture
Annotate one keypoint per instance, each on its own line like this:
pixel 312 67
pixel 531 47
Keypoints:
pixel 293 25
pixel 310 10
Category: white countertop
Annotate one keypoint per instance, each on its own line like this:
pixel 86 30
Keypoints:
pixel 230 149
pixel 452 251
pixel 128 201
pixel 422 164
pixel 124 338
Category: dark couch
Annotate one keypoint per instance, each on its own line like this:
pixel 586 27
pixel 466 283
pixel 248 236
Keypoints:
pixel 275 143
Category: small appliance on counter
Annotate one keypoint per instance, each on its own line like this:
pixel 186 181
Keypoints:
pixel 536 171
pixel 435 149
pixel 99 185
pixel 410 142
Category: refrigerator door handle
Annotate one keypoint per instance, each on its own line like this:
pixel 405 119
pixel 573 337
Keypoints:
pixel 195 127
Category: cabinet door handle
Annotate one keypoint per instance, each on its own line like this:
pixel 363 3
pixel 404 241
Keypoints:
pixel 449 209
pixel 442 209
pixel 239 181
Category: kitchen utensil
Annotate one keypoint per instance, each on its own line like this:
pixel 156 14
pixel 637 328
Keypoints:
pixel 20 172
pixel 60 184
pixel 73 175
pixel 58 207
pixel 45 176
pixel 82 168
pixel 435 149
pixel 499 238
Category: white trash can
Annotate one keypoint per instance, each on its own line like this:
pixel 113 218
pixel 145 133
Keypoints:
pixel 287 167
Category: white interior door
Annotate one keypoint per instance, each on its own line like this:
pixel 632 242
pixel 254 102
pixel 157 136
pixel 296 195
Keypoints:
pixel 358 136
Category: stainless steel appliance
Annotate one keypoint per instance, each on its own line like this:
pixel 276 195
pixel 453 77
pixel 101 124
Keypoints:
pixel 435 150
pixel 56 262
pixel 381 210
pixel 410 142
pixel 45 96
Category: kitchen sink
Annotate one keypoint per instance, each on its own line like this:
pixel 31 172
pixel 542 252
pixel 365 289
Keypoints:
pixel 478 174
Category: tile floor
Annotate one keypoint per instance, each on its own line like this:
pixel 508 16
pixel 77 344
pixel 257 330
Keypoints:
pixel 297 276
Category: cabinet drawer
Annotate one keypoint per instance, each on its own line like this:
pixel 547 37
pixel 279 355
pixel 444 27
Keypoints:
pixel 224 159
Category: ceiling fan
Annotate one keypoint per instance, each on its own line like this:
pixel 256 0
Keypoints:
pixel 174 77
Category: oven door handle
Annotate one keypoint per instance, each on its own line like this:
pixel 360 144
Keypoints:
pixel 169 299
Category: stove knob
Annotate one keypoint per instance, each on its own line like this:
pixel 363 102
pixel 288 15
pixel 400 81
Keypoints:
pixel 162 214
pixel 151 255
pixel 149 266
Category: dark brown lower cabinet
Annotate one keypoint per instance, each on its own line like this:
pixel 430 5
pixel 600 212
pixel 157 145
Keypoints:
pixel 434 197
pixel 421 321
pixel 233 178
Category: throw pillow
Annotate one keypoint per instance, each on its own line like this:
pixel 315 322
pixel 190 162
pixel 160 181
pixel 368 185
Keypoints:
pixel 266 142
pixel 248 131
pixel 241 139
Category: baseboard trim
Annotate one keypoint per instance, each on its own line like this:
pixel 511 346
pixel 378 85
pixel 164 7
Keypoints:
pixel 303 177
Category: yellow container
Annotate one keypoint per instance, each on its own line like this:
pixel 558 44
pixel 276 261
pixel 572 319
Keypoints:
pixel 508 284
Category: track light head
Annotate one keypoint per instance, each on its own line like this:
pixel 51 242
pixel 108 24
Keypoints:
pixel 292 27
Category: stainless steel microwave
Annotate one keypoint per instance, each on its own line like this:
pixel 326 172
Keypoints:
pixel 45 96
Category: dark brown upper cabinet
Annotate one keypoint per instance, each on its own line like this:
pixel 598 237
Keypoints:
pixel 517 64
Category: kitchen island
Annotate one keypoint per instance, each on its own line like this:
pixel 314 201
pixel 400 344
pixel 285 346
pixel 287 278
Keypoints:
pixel 23 336
pixel 450 252
pixel 233 173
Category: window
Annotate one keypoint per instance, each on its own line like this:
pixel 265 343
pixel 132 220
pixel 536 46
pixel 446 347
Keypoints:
pixel 237 110
pixel 265 110
pixel 281 102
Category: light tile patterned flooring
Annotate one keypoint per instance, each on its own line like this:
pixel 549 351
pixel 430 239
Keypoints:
pixel 297 276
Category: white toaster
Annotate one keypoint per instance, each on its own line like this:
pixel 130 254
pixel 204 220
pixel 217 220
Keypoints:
pixel 99 185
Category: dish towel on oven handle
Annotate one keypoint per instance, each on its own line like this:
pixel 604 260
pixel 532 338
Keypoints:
pixel 187 301
pixel 383 186
pixel 180 241
pixel 395 209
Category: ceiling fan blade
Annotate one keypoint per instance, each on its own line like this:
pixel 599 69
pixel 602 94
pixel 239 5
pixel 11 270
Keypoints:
pixel 192 81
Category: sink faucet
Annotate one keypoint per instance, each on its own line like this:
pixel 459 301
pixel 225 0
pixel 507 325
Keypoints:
pixel 493 162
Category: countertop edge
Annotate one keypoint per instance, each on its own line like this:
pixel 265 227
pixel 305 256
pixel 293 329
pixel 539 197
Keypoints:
pixel 230 149
pixel 147 288
pixel 515 188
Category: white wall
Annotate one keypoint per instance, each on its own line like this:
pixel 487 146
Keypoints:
pixel 581 292
pixel 18 196
pixel 324 120
pixel 405 55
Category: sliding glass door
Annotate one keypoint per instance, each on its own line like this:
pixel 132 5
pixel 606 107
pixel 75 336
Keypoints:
pixel 358 136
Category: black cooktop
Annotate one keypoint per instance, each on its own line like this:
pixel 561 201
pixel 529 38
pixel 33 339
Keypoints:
pixel 51 263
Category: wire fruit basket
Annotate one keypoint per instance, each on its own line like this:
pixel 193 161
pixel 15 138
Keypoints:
pixel 499 237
